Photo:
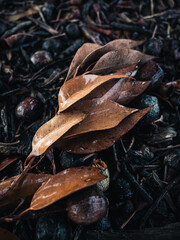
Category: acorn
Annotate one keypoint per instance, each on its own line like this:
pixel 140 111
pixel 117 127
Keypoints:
pixel 28 110
pixel 104 184
pixel 87 206
pixel 41 57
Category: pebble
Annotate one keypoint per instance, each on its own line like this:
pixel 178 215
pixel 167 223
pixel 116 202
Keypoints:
pixel 154 46
pixel 145 101
pixel 52 45
pixel 72 30
pixel 48 11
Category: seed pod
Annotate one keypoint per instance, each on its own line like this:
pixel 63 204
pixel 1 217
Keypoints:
pixel 87 206
pixel 28 110
pixel 104 184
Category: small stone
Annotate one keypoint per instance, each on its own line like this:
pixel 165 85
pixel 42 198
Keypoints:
pixel 154 46
pixel 145 101
pixel 53 45
pixel 48 11
pixel 72 30
pixel 41 57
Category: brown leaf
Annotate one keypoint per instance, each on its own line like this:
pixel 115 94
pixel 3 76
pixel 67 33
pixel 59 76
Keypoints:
pixel 24 190
pixel 63 184
pixel 48 133
pixel 78 87
pixel 114 60
pixel 125 90
pixel 82 52
pixel 6 235
pixel 122 91
pixel 100 140
pixel 111 46
pixel 101 115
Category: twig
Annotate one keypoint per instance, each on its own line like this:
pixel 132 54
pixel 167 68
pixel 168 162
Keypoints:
pixel 155 205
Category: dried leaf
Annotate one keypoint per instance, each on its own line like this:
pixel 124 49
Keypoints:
pixel 63 184
pixel 100 140
pixel 6 235
pixel 82 52
pixel 125 90
pixel 24 190
pixel 48 133
pixel 101 115
pixel 114 60
pixel 78 87
pixel 111 46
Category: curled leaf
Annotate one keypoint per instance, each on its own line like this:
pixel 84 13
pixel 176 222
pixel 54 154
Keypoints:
pixel 78 87
pixel 64 183
pixel 82 52
pixel 114 60
pixel 111 46
pixel 101 115
pixel 100 140
pixel 48 133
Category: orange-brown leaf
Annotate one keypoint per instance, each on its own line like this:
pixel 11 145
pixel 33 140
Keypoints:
pixel 24 190
pixel 64 183
pixel 52 130
pixel 101 115
pixel 79 87
pixel 100 140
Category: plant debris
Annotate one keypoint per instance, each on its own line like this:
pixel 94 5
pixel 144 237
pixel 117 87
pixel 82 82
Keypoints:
pixel 82 81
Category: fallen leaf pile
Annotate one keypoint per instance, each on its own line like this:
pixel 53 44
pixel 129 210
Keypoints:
pixel 92 115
